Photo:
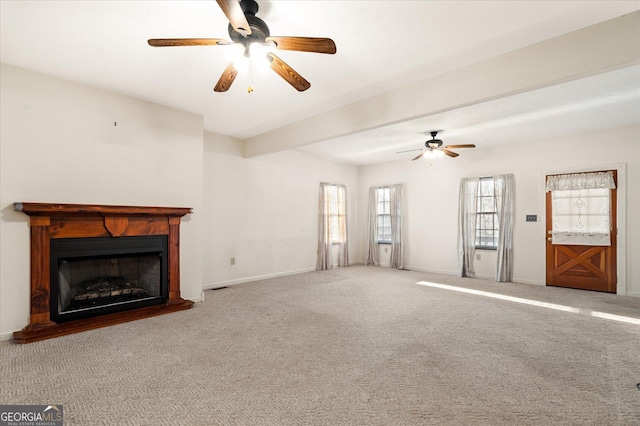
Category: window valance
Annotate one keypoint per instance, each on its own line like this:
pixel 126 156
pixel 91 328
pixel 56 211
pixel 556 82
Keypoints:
pixel 577 181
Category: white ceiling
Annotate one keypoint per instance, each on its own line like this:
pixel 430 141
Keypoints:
pixel 382 45
pixel 590 104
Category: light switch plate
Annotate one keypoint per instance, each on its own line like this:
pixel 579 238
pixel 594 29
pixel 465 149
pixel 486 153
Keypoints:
pixel 532 218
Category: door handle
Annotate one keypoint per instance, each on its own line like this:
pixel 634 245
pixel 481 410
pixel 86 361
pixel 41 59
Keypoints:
pixel 549 238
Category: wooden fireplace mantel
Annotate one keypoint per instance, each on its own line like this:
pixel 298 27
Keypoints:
pixel 50 221
pixel 47 209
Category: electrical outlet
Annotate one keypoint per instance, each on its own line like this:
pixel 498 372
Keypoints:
pixel 386 249
pixel 478 256
pixel 233 260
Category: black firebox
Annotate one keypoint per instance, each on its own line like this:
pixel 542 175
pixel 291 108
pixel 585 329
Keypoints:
pixel 103 275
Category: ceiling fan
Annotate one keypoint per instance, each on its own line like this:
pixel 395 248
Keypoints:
pixel 249 31
pixel 435 149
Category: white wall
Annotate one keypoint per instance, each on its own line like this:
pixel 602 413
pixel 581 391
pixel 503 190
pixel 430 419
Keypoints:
pixel 432 199
pixel 384 255
pixel 58 144
pixel 264 211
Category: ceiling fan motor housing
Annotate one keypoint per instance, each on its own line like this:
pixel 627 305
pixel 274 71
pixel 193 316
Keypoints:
pixel 249 7
pixel 433 143
pixel 259 28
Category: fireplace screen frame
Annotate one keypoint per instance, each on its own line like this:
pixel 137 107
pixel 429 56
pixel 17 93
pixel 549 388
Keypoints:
pixel 74 249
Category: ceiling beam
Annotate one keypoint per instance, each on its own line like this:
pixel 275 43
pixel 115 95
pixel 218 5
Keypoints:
pixel 602 47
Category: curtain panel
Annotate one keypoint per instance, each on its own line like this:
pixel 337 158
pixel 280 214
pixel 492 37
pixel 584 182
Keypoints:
pixel 372 228
pixel 504 190
pixel 467 215
pixel 325 257
pixel 343 252
pixel 397 250
pixel 332 202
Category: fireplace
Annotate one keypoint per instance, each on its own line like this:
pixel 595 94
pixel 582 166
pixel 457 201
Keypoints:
pixel 94 266
pixel 95 276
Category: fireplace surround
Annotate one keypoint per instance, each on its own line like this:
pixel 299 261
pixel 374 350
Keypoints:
pixel 98 265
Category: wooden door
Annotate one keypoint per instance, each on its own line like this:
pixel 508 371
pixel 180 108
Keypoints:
pixel 579 266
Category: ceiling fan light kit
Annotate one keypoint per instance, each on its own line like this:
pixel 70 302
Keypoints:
pixel 252 35
pixel 433 153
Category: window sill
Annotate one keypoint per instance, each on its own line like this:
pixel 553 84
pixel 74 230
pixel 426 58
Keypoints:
pixel 486 248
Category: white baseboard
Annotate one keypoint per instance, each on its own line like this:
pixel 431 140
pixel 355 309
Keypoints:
pixel 434 271
pixel 197 299
pixel 482 276
pixel 256 278
pixel 485 277
pixel 524 281
pixel 633 294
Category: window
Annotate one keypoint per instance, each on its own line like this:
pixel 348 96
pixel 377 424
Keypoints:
pixel 581 208
pixel 384 215
pixel 336 212
pixel 332 226
pixel 487 217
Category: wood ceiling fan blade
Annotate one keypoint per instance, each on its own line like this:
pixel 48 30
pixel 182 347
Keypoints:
pixel 304 44
pixel 235 15
pixel 288 73
pixel 167 42
pixel 467 145
pixel 419 156
pixel 226 79
pixel 449 153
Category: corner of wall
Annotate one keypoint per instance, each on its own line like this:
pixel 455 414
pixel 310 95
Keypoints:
pixel 223 144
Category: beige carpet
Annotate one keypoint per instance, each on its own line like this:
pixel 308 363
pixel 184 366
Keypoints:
pixel 352 346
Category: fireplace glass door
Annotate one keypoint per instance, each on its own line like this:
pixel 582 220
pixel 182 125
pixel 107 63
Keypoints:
pixel 95 276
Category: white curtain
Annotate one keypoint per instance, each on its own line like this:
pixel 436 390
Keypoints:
pixel 343 253
pixel 372 228
pixel 581 204
pixel 467 215
pixel 325 257
pixel 332 225
pixel 504 190
pixel 397 251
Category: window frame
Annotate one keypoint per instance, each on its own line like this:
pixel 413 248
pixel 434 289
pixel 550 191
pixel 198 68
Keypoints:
pixel 381 224
pixel 480 211
pixel 334 215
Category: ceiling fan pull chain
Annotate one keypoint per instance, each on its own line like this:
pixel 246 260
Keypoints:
pixel 250 88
